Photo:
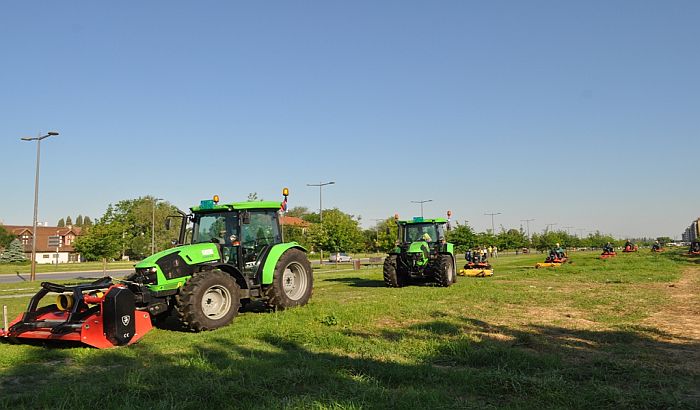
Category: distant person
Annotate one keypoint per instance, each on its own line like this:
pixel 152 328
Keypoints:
pixel 495 251
pixel 490 251
pixel 656 246
pixel 608 248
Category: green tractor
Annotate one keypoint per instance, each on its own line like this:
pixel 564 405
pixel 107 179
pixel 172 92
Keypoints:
pixel 233 254
pixel 422 252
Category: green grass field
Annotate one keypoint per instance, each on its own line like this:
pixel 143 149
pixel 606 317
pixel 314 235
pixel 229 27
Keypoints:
pixel 621 333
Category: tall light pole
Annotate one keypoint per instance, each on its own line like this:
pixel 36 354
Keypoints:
pixel 421 205
pixel 527 221
pixel 32 275
pixel 493 228
pixel 320 186
pixel 546 226
pixel 153 226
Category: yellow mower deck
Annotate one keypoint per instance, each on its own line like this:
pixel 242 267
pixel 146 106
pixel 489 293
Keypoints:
pixel 548 265
pixel 479 273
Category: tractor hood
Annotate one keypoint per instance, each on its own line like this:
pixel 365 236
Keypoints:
pixel 418 247
pixel 191 254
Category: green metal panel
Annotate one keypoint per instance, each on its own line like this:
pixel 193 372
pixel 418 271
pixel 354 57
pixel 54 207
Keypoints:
pixel 423 221
pixel 420 247
pixel 192 255
pixel 450 248
pixel 274 256
pixel 250 205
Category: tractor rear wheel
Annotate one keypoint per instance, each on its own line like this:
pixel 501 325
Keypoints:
pixel 293 281
pixel 445 274
pixel 392 276
pixel 209 300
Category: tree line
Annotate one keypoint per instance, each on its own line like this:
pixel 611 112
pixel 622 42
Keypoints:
pixel 126 230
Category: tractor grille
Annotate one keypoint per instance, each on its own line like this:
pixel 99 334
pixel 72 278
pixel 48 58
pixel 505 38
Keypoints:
pixel 146 276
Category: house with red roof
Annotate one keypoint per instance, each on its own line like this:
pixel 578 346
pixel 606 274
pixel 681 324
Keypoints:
pixel 63 253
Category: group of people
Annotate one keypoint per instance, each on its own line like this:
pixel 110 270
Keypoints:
pixel 477 255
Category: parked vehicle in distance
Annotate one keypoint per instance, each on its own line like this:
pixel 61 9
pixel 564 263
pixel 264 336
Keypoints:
pixel 339 257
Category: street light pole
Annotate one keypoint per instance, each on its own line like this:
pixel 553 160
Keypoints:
pixel 527 221
pixel 32 275
pixel 320 186
pixel 493 228
pixel 153 226
pixel 421 205
pixel 546 226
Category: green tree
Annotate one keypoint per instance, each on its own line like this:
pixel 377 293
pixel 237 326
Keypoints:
pixel 339 232
pixel 87 221
pixel 462 236
pixel 14 253
pixel 5 237
pixel 102 241
pixel 663 240
pixel 511 239
pixel 69 221
pixel 61 223
pixel 298 211
pixel 79 221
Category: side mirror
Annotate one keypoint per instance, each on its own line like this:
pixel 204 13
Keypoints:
pixel 449 226
pixel 388 231
pixel 174 242
pixel 167 224
pixel 245 217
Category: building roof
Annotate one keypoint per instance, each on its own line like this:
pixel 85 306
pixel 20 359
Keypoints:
pixel 43 233
pixel 293 221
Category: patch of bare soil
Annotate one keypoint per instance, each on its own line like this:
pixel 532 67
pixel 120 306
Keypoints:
pixel 681 317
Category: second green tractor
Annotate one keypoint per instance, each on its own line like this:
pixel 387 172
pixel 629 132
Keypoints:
pixel 421 253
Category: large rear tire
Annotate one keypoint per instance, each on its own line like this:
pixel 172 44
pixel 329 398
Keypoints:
pixel 445 274
pixel 392 276
pixel 293 281
pixel 208 301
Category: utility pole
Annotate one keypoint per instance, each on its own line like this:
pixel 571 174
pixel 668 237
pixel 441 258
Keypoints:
pixel 320 186
pixel 548 225
pixel 493 228
pixel 527 221
pixel 421 205
pixel 32 275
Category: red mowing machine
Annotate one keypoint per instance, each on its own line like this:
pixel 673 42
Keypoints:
pixel 101 314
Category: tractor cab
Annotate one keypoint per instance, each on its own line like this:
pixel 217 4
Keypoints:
pixel 242 231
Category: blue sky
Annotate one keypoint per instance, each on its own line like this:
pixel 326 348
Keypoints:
pixel 583 114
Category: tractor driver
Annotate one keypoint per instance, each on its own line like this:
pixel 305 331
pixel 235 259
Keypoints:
pixel 608 248
pixel 656 246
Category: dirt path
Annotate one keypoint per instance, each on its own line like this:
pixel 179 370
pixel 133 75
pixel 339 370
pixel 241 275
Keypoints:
pixel 681 317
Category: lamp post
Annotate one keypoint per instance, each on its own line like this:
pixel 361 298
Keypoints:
pixel 493 229
pixel 527 221
pixel 421 205
pixel 153 226
pixel 320 186
pixel 546 226
pixel 32 275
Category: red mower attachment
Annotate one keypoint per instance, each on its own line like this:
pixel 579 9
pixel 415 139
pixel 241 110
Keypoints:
pixel 99 314
pixel 630 248
pixel 606 255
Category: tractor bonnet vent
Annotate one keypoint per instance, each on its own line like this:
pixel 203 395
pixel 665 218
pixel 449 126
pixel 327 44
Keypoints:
pixel 173 266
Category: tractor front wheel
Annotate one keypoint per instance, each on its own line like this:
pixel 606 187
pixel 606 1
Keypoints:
pixel 209 300
pixel 293 281
pixel 392 277
pixel 445 274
